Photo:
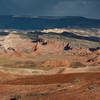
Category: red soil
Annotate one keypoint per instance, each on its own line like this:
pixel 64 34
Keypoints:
pixel 77 86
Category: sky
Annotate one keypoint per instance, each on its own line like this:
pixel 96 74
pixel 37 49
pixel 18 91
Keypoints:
pixel 84 8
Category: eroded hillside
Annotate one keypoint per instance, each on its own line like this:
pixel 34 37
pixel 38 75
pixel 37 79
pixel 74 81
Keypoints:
pixel 52 50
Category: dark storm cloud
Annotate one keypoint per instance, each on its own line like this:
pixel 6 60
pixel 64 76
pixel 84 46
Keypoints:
pixel 87 8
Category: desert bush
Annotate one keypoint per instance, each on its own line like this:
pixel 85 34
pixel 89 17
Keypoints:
pixel 77 65
pixel 17 97
pixel 91 87
pixel 76 81
pixel 24 64
pixel 27 51
pixel 35 72
pixel 58 85
pixel 38 94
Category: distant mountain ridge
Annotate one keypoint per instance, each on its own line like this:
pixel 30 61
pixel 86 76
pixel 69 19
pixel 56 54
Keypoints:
pixel 46 22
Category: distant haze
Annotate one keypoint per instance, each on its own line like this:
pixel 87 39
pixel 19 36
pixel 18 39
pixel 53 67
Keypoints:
pixel 85 8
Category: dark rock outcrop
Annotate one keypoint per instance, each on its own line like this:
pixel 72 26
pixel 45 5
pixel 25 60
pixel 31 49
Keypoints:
pixel 67 47
pixel 94 49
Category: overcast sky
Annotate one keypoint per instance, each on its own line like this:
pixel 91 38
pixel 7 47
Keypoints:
pixel 86 8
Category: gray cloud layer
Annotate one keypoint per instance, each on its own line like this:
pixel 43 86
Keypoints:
pixel 87 8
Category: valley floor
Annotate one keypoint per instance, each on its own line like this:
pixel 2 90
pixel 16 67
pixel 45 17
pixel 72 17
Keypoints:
pixel 69 84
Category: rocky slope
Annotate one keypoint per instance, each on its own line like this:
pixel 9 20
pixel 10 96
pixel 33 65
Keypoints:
pixel 46 52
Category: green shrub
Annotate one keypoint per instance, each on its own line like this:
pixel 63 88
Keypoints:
pixel 35 72
pixel 18 97
pixel 78 64
pixel 76 81
pixel 38 94
pixel 91 87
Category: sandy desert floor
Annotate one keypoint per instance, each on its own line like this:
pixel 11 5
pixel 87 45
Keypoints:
pixel 78 84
